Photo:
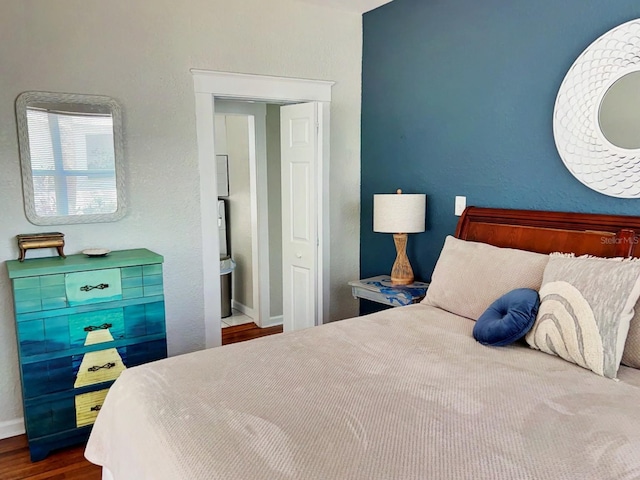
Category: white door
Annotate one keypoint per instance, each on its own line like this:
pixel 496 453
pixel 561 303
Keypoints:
pixel 299 131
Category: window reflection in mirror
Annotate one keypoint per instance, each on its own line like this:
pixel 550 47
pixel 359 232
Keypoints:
pixel 71 158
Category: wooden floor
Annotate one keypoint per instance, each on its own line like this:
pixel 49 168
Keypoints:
pixel 240 333
pixel 69 463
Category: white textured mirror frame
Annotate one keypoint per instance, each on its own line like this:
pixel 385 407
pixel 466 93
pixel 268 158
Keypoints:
pixel 76 104
pixel 584 149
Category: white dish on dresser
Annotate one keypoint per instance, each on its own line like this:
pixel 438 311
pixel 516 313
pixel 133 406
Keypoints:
pixel 96 252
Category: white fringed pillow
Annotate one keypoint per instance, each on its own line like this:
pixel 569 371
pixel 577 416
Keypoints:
pixel 586 305
pixel 470 276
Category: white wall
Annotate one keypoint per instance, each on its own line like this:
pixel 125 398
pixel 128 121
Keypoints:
pixel 275 210
pixel 140 53
pixel 239 208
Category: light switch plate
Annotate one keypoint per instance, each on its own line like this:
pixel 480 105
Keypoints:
pixel 461 204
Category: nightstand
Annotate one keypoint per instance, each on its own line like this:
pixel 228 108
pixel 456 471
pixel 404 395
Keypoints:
pixel 380 289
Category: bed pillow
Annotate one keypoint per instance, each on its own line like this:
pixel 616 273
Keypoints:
pixel 469 276
pixel 631 355
pixel 508 319
pixel 586 304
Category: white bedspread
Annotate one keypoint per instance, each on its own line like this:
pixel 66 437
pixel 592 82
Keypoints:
pixel 403 394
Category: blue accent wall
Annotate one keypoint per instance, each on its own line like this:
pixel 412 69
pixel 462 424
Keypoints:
pixel 457 99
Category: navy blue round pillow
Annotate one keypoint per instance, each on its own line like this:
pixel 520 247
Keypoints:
pixel 508 319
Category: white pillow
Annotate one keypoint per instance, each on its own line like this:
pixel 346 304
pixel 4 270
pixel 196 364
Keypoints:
pixel 470 276
pixel 586 304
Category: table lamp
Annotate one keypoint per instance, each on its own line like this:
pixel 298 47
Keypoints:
pixel 400 214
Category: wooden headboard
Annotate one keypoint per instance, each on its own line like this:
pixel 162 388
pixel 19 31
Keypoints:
pixel 546 232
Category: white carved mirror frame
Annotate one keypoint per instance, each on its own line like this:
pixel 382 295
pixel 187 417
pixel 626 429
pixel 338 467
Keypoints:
pixel 585 150
pixel 41 161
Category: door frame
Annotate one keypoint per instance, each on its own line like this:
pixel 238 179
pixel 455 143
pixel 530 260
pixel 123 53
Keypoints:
pixel 209 85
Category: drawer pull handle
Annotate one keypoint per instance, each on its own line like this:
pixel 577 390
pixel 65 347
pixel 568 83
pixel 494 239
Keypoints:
pixel 92 328
pixel 95 368
pixel 88 288
pixel 96 408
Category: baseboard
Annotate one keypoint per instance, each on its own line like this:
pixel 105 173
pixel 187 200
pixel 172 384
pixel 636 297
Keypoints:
pixel 242 309
pixel 273 321
pixel 11 428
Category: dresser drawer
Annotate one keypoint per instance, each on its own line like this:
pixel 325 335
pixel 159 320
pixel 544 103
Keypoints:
pixel 48 376
pixel 142 281
pixel 100 326
pixel 145 352
pixel 32 294
pixel 64 413
pixel 98 367
pixel 88 406
pixel 68 373
pixel 52 334
pixel 42 335
pixel 94 286
pixel 50 292
pixel 72 372
pixel 92 368
pixel 144 319
pixel 51 416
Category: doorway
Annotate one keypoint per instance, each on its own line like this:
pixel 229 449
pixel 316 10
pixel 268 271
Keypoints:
pixel 208 87
pixel 247 137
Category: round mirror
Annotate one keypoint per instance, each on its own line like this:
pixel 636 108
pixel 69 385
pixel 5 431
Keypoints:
pixel 619 115
pixel 596 119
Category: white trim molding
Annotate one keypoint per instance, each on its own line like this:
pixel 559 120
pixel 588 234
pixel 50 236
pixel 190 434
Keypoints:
pixel 243 86
pixel 211 85
pixel 249 312
pixel 208 220
pixel 11 428
pixel 356 6
pixel 273 321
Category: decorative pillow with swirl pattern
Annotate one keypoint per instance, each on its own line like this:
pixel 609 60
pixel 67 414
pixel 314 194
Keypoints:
pixel 586 304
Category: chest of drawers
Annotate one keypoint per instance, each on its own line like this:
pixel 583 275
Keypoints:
pixel 80 322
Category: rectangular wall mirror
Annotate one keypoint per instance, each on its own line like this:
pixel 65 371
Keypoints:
pixel 71 158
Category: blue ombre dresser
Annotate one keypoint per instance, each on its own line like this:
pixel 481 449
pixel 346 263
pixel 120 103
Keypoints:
pixel 80 322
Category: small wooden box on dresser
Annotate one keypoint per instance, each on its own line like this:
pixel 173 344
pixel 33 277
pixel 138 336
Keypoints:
pixel 81 321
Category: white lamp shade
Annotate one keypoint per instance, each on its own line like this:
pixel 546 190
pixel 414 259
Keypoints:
pixel 399 213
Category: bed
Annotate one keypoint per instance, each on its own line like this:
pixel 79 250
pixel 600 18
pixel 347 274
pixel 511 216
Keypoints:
pixel 406 393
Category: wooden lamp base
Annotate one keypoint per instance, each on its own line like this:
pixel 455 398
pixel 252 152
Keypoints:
pixel 401 273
